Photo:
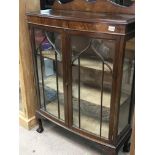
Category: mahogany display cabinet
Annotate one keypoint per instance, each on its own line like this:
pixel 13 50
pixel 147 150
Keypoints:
pixel 83 56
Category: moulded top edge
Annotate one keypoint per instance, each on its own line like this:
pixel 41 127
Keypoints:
pixel 84 16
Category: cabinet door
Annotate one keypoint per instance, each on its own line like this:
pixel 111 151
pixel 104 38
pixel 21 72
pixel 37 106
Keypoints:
pixel 92 62
pixel 49 62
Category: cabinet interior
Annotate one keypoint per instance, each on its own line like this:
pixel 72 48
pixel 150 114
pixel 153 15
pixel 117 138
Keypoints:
pixel 92 59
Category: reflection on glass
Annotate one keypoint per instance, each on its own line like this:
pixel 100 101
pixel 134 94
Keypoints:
pixel 92 67
pixel 49 62
pixel 41 95
pixel 128 71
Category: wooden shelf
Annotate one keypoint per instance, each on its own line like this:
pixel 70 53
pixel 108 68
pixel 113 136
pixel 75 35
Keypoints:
pixel 93 95
pixel 93 64
pixel 85 62
pixel 87 94
pixel 50 54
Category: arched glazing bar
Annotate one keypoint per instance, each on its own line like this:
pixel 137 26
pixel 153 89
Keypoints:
pixel 52 48
pixel 104 63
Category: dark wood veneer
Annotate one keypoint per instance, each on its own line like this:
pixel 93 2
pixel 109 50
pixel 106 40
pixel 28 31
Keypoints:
pixel 92 20
pixel 120 29
pixel 98 6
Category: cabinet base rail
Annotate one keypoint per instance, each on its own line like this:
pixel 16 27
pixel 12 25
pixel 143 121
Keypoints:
pixel 110 149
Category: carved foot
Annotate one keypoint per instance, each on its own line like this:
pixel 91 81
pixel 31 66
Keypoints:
pixel 40 130
pixel 126 147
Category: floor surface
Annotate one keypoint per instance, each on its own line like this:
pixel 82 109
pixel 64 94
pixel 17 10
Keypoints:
pixel 56 141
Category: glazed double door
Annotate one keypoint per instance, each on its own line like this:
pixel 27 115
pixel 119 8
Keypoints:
pixel 75 78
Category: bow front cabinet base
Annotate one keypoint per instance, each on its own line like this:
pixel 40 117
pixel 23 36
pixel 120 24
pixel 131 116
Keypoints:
pixel 84 69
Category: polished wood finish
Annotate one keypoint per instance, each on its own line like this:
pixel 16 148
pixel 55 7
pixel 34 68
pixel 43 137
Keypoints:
pixel 28 89
pixel 101 6
pixel 32 5
pixel 84 22
pixel 65 77
pixel 74 19
pixel 117 86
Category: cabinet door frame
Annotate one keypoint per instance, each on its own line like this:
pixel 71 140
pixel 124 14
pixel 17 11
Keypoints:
pixel 32 27
pixel 114 96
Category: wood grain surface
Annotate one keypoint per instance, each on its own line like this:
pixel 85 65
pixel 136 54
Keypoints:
pixel 27 81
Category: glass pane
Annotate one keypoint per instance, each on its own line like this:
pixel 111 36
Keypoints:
pixel 49 62
pixel 128 71
pixel 41 96
pixel 92 67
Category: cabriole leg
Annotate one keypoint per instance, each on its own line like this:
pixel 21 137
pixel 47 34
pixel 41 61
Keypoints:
pixel 40 129
pixel 126 147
